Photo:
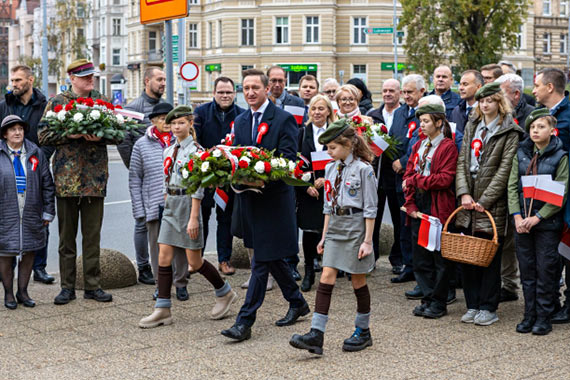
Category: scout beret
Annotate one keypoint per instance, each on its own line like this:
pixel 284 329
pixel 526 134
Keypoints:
pixel 333 131
pixel 179 111
pixel 11 120
pixel 488 90
pixel 429 109
pixel 537 114
pixel 81 68
pixel 160 109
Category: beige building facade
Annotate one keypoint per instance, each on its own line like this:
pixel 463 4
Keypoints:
pixel 551 33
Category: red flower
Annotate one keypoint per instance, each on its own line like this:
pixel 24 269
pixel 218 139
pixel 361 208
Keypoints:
pixel 243 164
pixel 68 106
pixel 100 102
pixel 357 119
pixel 237 151
pixel 516 121
pixel 118 107
pixel 298 173
pixel 204 156
pixel 264 154
pixel 254 155
pixel 57 108
pixel 191 165
pixel 384 129
pixel 89 102
pixel 109 106
pixel 267 166
pixel 80 100
pixel 360 130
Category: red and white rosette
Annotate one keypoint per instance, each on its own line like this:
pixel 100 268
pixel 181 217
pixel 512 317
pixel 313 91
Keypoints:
pixel 34 160
pixel 412 126
pixel 477 145
pixel 167 164
pixel 328 189
pixel 555 132
pixel 262 130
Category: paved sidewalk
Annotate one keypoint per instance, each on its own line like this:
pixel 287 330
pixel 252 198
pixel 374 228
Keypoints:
pixel 86 339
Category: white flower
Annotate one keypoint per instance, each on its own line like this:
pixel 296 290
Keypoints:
pixel 246 159
pixel 61 115
pixel 274 162
pixel 306 177
pixel 366 121
pixel 205 166
pixel 217 153
pixel 292 165
pixel 78 117
pixel 185 173
pixel 50 114
pixel 259 167
pixel 120 119
pixel 95 115
pixel 282 163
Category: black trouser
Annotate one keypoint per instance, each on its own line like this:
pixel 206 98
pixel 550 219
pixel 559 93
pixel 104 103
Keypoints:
pixel 562 263
pixel 430 268
pixel 386 193
pixel 224 236
pixel 482 286
pixel 310 242
pixel 405 238
pixel 538 257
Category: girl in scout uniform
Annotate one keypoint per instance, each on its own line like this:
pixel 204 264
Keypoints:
pixel 181 225
pixel 350 207
pixel 427 184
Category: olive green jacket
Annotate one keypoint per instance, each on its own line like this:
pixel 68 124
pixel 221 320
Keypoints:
pixel 489 188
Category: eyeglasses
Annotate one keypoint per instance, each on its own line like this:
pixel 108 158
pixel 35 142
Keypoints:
pixel 347 100
pixel 224 93
pixel 330 92
pixel 276 80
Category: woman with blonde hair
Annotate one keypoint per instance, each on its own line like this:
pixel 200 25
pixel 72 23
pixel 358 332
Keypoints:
pixel 348 96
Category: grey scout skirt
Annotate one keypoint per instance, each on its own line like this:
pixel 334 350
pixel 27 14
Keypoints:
pixel 174 222
pixel 344 236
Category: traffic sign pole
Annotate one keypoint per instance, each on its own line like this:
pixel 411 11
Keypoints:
pixel 395 43
pixel 169 71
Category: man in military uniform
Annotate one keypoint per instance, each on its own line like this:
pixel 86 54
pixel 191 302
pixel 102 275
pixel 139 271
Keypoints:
pixel 80 171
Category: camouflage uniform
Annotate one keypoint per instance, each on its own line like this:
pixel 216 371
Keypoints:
pixel 80 172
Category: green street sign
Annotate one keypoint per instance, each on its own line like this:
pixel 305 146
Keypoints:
pixel 214 67
pixel 300 67
pixel 389 66
pixel 379 30
pixel 175 39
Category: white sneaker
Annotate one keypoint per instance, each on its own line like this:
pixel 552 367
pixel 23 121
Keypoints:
pixel 160 316
pixel 223 304
pixel 245 285
pixel 469 317
pixel 485 318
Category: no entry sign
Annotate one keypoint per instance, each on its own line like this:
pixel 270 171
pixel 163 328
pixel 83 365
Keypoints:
pixel 189 71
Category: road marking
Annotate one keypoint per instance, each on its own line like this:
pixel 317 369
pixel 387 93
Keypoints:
pixel 117 202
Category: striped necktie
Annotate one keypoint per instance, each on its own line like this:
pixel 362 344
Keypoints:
pixel 19 172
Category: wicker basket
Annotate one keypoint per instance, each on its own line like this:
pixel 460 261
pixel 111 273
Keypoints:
pixel 468 249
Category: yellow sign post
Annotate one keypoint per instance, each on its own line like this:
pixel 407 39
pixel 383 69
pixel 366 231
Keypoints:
pixel 161 10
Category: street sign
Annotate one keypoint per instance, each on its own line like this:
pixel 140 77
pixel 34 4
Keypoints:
pixel 192 85
pixel 160 10
pixel 214 67
pixel 63 88
pixel 389 66
pixel 189 71
pixel 379 30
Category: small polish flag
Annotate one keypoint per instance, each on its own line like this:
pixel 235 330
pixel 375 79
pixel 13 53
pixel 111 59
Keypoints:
pixel 549 191
pixel 297 112
pixel 378 145
pixel 129 113
pixel 221 198
pixel 564 246
pixel 429 235
pixel 453 127
pixel 528 185
pixel 320 159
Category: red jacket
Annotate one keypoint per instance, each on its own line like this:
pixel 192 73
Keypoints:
pixel 440 182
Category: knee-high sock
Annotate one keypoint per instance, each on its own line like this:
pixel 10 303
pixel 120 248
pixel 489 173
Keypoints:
pixel 362 299
pixel 322 304
pixel 213 276
pixel 164 281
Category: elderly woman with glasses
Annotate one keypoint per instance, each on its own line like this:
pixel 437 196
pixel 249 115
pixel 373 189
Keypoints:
pixel 348 97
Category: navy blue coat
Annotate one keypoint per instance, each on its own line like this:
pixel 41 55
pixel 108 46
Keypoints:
pixel 451 100
pixel 208 123
pixel 399 130
pixel 562 114
pixel 268 219
pixel 459 116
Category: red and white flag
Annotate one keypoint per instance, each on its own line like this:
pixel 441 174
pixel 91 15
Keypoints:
pixel 221 198
pixel 543 188
pixel 453 127
pixel 320 159
pixel 564 246
pixel 378 145
pixel 297 112
pixel 429 235
pixel 129 113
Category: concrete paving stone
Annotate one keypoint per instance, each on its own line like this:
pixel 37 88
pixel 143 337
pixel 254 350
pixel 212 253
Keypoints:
pixel 21 314
pixel 15 345
pixel 191 369
pixel 58 322
pixel 103 346
pixel 554 374
pixel 109 329
pixel 54 356
pixel 11 365
pixel 53 338
pixel 10 329
pixel 48 309
pixel 103 315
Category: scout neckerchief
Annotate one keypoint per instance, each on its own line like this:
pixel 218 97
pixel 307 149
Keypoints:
pixel 337 182
pixel 171 166
pixel 424 156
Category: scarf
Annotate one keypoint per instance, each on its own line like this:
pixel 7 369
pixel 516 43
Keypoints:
pixel 19 172
pixel 355 112
pixel 164 138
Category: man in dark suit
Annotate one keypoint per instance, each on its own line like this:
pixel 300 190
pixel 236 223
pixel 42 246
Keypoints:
pixel 471 81
pixel 212 121
pixel 268 218
pixel 443 79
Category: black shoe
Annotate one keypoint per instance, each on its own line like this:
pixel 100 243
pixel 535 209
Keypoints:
pixel 155 294
pixel 309 279
pixel 542 326
pixel 317 266
pixel 145 275
pixel 415 294
pixel 182 294
pixel 420 309
pixel 293 314
pixel 98 295
pixel 41 275
pixel 340 274
pixel 312 341
pixel 359 340
pixel 28 302
pixel 397 269
pixel 563 316
pixel 295 273
pixel 451 297
pixel 434 312
pixel 507 296
pixel 526 325
pixel 64 297
pixel 12 305
pixel 238 332
pixel 403 277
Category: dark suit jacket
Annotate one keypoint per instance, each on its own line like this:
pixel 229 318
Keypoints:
pixel 399 130
pixel 268 219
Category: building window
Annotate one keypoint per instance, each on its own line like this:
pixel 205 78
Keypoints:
pixel 116 2
pixel 247 31
pixel 399 33
pixel 116 57
pixel 103 85
pixel 194 1
pixel 116 27
pixel 246 67
pixel 359 71
pixel 546 43
pixel 520 38
pixel 282 30
pixel 564 8
pixel 80 33
pixel 152 41
pixel 358 30
pixel 312 36
pixel 546 11
pixel 193 35
pixel 564 44
pixel 210 34
pixel 219 44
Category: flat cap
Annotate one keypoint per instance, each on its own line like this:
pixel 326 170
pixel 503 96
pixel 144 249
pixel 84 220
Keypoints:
pixel 536 114
pixel 488 90
pixel 81 68
pixel 333 131
pixel 179 111
pixel 11 120
pixel 429 109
